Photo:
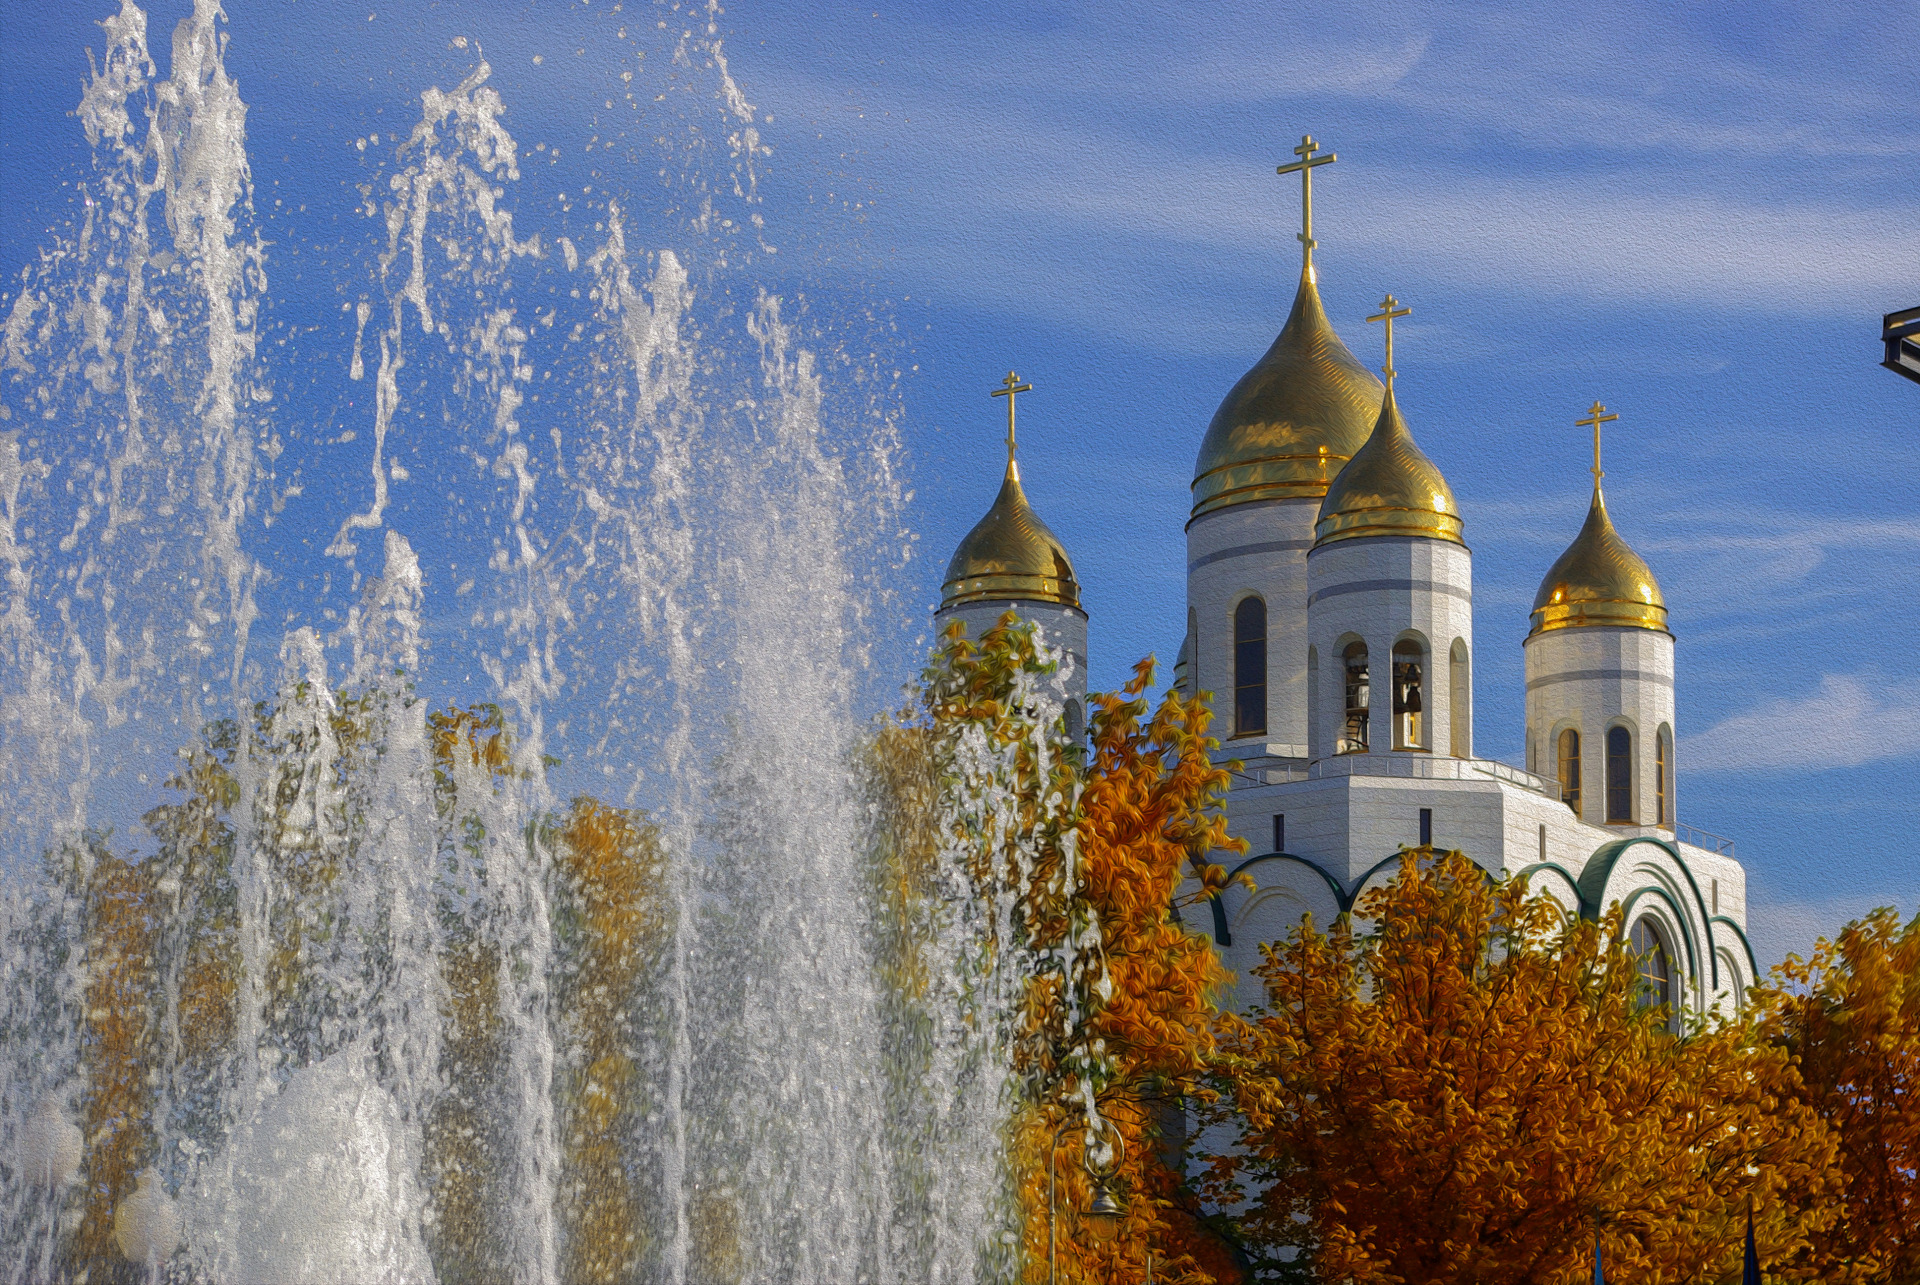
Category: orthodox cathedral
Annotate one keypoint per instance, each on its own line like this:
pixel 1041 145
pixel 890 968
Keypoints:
pixel 1330 614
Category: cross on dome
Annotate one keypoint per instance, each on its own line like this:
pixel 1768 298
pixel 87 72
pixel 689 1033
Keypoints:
pixel 1389 309
pixel 1010 386
pixel 1305 166
pixel 1596 416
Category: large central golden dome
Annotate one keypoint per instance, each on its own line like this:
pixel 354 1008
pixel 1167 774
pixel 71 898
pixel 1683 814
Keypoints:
pixel 1293 420
pixel 1010 554
pixel 1389 487
pixel 1599 580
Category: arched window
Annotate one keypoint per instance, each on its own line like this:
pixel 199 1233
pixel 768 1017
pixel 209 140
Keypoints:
pixel 1619 776
pixel 1662 787
pixel 1076 722
pixel 1570 769
pixel 1359 700
pixel 1459 701
pixel 1656 970
pixel 1250 667
pixel 1409 695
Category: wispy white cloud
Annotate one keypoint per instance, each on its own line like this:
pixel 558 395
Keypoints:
pixel 1848 720
pixel 1108 154
pixel 1781 925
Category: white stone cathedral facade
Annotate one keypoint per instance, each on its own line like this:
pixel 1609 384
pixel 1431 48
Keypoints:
pixel 1330 616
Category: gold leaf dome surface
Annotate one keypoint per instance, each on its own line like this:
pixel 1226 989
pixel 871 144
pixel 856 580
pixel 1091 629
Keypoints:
pixel 1010 554
pixel 1599 580
pixel 1290 423
pixel 1389 487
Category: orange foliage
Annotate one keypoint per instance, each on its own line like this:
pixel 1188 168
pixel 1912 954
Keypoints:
pixel 1133 1027
pixel 611 862
pixel 1851 1015
pixel 1148 813
pixel 1473 1092
pixel 121 1023
pixel 197 846
pixel 466 1159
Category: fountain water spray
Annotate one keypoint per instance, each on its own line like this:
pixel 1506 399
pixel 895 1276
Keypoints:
pixel 514 910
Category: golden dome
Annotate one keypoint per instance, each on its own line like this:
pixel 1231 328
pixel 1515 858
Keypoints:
pixel 1599 580
pixel 1291 421
pixel 1010 554
pixel 1389 487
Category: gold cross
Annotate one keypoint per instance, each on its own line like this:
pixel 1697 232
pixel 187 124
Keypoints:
pixel 1305 166
pixel 1596 416
pixel 1389 309
pixel 1009 386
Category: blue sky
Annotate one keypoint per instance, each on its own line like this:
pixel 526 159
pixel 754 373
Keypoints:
pixel 1695 215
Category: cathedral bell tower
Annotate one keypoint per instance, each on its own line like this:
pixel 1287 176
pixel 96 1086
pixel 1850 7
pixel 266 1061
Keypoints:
pixel 1390 600
pixel 1010 561
pixel 1599 664
pixel 1277 441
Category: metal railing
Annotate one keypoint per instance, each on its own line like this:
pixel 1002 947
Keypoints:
pixel 1425 767
pixel 1518 776
pixel 1694 836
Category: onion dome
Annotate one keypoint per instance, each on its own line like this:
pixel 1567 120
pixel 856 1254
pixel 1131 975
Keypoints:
pixel 1389 487
pixel 1010 554
pixel 1293 420
pixel 1599 580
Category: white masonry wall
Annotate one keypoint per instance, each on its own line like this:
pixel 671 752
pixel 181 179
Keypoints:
pixel 1057 626
pixel 1254 548
pixel 1381 590
pixel 1350 814
pixel 1592 678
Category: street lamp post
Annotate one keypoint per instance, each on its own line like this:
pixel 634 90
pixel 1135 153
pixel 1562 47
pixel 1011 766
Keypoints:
pixel 1900 332
pixel 1104 1211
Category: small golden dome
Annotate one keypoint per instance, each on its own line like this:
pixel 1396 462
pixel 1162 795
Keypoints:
pixel 1599 580
pixel 1291 421
pixel 1010 554
pixel 1389 487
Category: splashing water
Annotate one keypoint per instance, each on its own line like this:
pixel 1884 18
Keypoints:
pixel 508 912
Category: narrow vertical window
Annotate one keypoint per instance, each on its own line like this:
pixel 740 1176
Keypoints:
pixel 1250 668
pixel 1656 970
pixel 1543 843
pixel 1662 765
pixel 1193 651
pixel 1359 700
pixel 1570 769
pixel 1619 776
pixel 1409 696
pixel 1460 701
pixel 1426 827
pixel 1279 832
pixel 1316 721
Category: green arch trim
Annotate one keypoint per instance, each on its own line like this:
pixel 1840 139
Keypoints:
pixel 1342 895
pixel 1739 935
pixel 1223 936
pixel 1579 902
pixel 1599 868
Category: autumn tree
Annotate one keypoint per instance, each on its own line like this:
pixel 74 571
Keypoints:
pixel 1475 1087
pixel 614 920
pixel 1850 1016
pixel 1089 846
pixel 1149 815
